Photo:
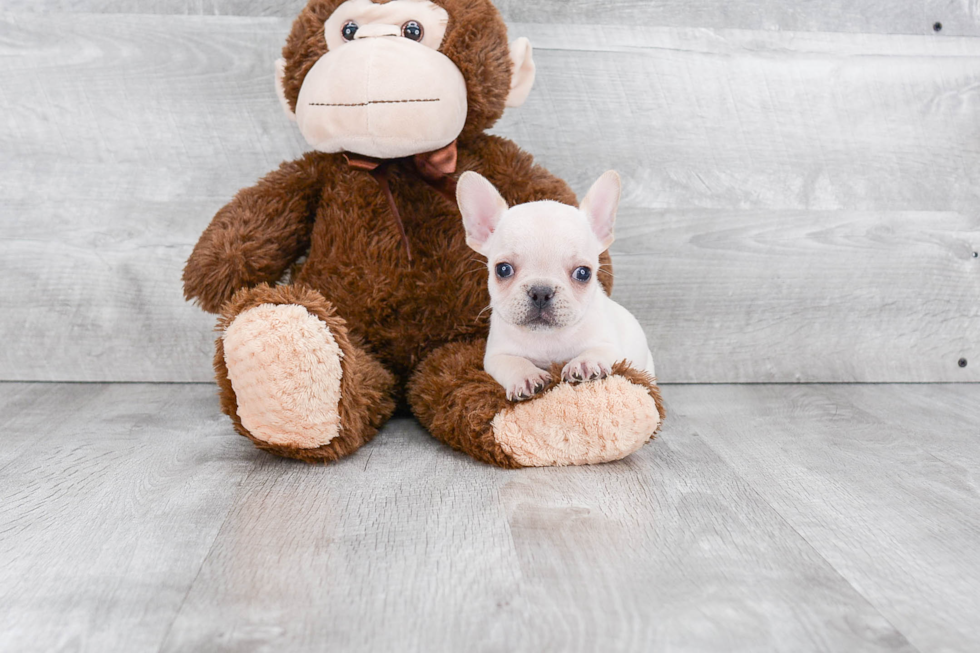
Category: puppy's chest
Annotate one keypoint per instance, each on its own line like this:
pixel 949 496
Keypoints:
pixel 558 348
pixel 540 347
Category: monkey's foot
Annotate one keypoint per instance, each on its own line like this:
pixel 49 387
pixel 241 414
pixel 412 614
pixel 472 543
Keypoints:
pixel 293 380
pixel 580 424
pixel 586 423
pixel 284 365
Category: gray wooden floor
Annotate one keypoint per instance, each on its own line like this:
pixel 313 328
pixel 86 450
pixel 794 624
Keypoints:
pixel 766 517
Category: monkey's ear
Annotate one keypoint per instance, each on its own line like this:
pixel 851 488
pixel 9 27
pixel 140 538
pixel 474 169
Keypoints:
pixel 600 206
pixel 481 206
pixel 523 76
pixel 280 90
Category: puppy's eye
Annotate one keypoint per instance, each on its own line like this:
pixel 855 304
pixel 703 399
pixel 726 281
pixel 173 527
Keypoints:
pixel 504 270
pixel 412 30
pixel 349 30
pixel 582 274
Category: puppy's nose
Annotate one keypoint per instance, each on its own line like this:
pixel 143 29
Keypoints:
pixel 541 295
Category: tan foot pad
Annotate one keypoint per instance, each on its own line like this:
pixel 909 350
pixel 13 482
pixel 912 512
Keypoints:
pixel 583 424
pixel 284 366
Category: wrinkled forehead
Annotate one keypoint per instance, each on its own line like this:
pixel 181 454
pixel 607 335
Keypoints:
pixel 549 228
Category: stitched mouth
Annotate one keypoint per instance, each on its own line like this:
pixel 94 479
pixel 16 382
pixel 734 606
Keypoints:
pixel 364 104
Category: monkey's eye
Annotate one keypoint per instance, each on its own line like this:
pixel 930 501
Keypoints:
pixel 412 30
pixel 582 274
pixel 504 270
pixel 349 30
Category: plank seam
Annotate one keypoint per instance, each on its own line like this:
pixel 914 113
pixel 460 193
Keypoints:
pixel 751 488
pixel 207 556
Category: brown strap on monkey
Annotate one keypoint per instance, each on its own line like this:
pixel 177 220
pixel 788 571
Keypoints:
pixel 434 167
pixel 380 173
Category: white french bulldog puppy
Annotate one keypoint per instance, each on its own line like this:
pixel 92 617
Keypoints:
pixel 547 305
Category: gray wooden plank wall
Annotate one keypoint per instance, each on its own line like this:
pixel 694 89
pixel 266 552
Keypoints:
pixel 955 17
pixel 798 206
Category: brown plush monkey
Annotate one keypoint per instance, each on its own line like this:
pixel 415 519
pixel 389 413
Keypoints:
pixel 389 306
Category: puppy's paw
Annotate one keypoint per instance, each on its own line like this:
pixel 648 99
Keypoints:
pixel 585 369
pixel 528 385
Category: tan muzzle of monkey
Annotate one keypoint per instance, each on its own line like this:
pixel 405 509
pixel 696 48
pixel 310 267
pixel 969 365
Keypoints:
pixel 384 96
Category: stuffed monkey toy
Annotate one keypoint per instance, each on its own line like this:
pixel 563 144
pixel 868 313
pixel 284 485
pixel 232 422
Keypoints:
pixel 388 309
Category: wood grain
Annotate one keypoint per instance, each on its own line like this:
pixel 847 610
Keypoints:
pixel 798 518
pixel 671 550
pixel 29 408
pixel 90 301
pixel 811 296
pixel 797 206
pixel 108 511
pixel 750 120
pixel 403 545
pixel 880 480
pixel 866 16
pixel 407 544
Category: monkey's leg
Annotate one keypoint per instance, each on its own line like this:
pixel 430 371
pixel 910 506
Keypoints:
pixel 292 380
pixel 591 422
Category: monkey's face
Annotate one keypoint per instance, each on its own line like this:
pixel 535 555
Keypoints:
pixel 382 87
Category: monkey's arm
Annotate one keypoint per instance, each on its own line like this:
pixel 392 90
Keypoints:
pixel 257 235
pixel 513 172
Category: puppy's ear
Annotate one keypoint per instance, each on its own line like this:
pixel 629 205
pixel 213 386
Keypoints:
pixel 600 206
pixel 481 206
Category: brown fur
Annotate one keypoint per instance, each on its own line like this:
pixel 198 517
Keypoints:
pixel 259 234
pixel 441 293
pixel 400 311
pixel 455 400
